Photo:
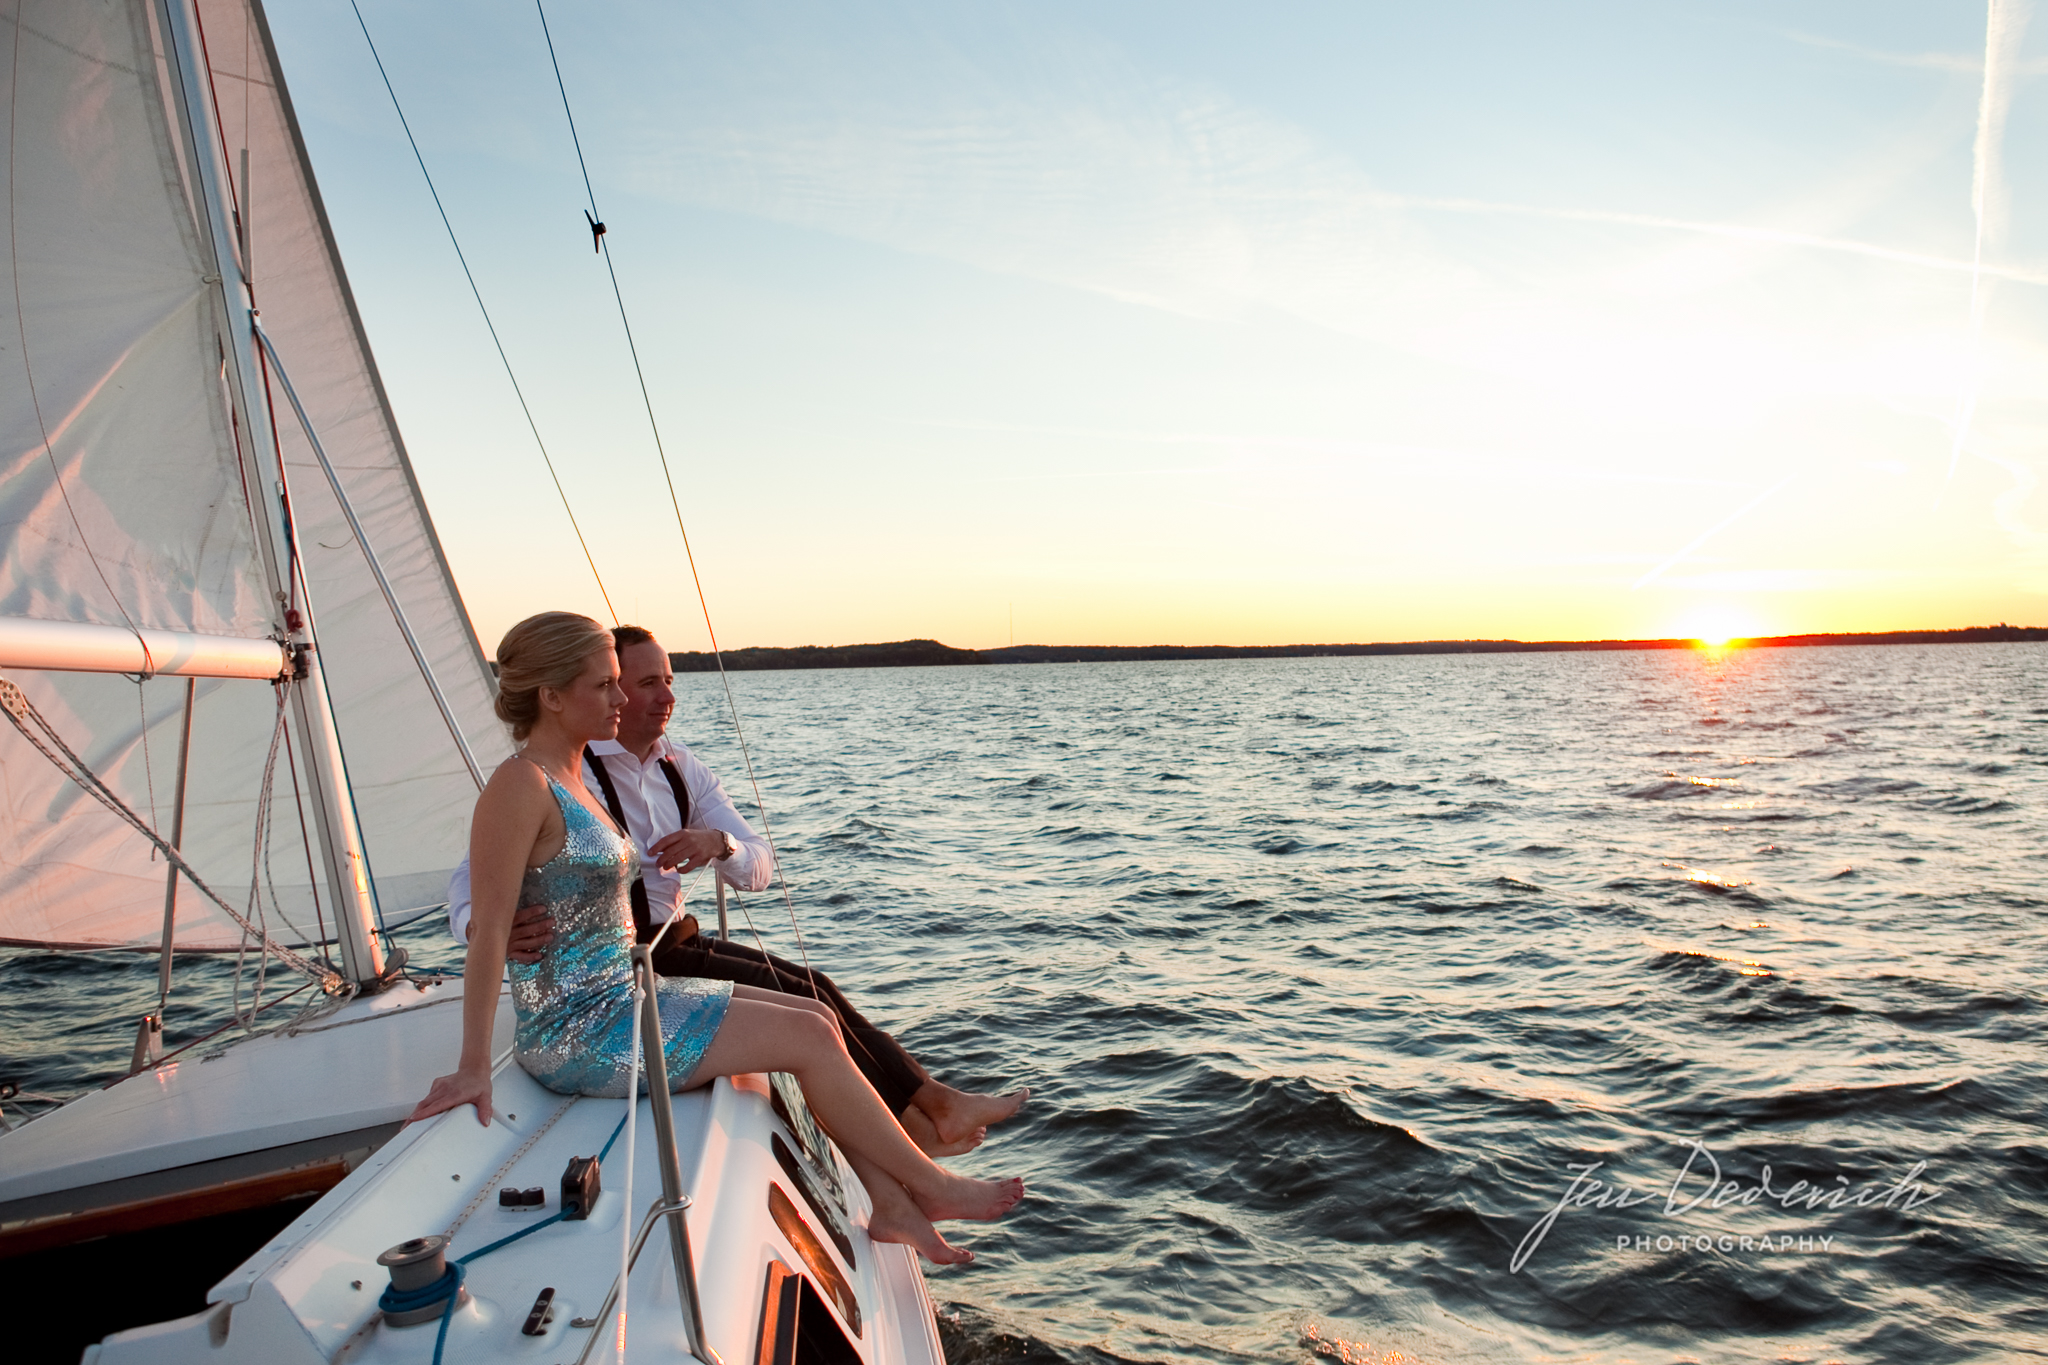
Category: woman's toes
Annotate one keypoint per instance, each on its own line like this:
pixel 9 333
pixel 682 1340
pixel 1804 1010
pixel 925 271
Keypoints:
pixel 912 1230
pixel 943 1252
pixel 978 1200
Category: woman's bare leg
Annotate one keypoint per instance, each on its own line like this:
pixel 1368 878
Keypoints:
pixel 742 991
pixel 897 1218
pixel 917 1124
pixel 758 1036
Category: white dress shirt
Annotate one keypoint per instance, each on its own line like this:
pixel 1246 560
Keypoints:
pixel 651 815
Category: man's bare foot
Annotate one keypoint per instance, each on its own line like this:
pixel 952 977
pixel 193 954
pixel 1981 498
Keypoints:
pixel 918 1126
pixel 956 1113
pixel 898 1220
pixel 956 1196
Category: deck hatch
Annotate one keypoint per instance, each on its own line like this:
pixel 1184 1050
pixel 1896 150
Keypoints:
pixel 799 1173
pixel 788 1102
pixel 806 1245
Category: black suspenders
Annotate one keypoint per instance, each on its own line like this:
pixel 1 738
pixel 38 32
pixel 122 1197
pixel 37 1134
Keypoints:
pixel 643 917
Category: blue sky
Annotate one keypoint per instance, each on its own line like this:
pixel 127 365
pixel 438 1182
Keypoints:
pixel 1216 322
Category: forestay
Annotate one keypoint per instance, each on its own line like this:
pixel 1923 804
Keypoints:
pixel 122 501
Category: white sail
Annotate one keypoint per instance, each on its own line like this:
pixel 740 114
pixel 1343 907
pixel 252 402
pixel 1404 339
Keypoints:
pixel 413 790
pixel 122 499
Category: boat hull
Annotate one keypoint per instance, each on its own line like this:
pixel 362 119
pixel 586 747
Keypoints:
pixel 310 1295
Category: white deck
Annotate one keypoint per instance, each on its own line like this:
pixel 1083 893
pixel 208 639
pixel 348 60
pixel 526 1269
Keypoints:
pixel 365 1066
pixel 310 1296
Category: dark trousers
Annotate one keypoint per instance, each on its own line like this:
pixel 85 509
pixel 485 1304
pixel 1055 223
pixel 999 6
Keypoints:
pixel 893 1073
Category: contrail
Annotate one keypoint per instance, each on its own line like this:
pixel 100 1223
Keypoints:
pixel 2004 23
pixel 1723 524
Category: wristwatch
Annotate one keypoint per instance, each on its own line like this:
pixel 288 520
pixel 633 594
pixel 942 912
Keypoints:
pixel 731 844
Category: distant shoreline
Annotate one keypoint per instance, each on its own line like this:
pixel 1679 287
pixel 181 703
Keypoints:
pixel 929 653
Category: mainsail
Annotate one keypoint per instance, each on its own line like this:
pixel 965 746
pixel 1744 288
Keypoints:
pixel 123 500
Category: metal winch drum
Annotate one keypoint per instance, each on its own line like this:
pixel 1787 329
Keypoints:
pixel 415 1265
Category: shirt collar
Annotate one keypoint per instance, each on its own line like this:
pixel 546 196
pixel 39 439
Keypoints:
pixel 611 748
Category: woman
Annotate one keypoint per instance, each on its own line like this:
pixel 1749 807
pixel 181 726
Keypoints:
pixel 539 838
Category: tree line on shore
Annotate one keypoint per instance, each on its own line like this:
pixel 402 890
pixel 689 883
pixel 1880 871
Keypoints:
pixel 927 653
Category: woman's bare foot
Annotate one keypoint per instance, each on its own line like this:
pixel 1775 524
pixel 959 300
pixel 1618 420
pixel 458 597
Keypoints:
pixel 957 1196
pixel 893 1216
pixel 956 1113
pixel 900 1221
pixel 919 1127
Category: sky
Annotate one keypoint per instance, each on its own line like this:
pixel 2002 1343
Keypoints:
pixel 1136 322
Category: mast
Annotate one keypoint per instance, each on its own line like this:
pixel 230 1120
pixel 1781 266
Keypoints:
pixel 341 846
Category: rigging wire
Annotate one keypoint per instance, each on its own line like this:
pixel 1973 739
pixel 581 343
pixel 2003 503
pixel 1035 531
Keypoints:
pixel 489 326
pixel 599 243
pixel 38 731
pixel 306 842
pixel 148 770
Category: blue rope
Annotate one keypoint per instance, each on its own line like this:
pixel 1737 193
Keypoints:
pixel 395 1300
pixel 454 1293
pixel 610 1140
pixel 449 1286
pixel 508 1241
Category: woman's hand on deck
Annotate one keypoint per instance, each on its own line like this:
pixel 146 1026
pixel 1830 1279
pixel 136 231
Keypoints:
pixel 462 1087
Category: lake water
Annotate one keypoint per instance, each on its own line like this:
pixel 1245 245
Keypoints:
pixel 1330 976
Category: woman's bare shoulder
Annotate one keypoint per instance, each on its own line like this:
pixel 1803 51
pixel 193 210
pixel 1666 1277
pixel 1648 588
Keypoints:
pixel 515 785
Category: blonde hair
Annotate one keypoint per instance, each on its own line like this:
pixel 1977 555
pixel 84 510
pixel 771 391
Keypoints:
pixel 548 650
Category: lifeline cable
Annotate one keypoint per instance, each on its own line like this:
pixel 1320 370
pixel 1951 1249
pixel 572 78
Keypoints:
pixel 489 326
pixel 597 232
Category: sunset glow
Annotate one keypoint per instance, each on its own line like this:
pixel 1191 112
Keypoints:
pixel 1145 324
pixel 1716 626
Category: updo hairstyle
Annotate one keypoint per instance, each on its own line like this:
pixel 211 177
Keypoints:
pixel 548 650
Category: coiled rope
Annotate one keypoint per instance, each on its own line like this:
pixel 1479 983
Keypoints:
pixel 39 732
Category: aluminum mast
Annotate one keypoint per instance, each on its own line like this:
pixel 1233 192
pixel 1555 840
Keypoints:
pixel 341 844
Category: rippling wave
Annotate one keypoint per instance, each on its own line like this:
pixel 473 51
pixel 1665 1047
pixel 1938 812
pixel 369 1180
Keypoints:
pixel 1332 975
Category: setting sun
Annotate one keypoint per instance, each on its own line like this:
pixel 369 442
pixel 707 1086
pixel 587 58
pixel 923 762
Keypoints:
pixel 1715 627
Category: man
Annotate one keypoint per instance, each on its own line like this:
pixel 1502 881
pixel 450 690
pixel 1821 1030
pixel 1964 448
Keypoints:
pixel 680 818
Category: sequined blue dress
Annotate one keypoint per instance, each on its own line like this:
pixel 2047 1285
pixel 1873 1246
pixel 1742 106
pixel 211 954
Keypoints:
pixel 574 1006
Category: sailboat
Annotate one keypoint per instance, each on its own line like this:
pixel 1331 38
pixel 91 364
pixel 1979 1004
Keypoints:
pixel 212 545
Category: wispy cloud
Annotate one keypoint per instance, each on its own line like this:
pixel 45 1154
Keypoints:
pixel 1326 456
pixel 1968 63
pixel 1737 231
pixel 1703 537
pixel 1789 580
pixel 1964 63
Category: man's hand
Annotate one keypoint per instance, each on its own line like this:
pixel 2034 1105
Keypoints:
pixel 533 929
pixel 687 849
